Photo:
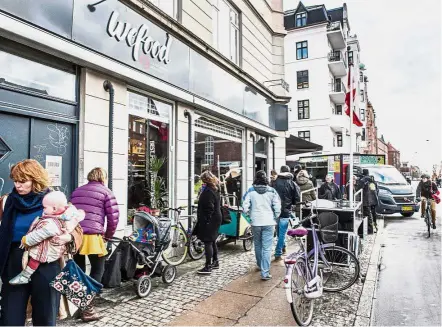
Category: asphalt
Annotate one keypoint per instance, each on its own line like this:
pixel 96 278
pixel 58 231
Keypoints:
pixel 409 287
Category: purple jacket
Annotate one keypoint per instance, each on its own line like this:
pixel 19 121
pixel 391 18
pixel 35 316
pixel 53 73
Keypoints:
pixel 98 202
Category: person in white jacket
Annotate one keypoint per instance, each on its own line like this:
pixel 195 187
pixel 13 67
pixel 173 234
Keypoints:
pixel 263 205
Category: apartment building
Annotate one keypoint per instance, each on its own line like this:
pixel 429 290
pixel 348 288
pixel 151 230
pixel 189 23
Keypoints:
pixel 318 49
pixel 394 156
pixel 371 131
pixel 137 86
pixel 382 148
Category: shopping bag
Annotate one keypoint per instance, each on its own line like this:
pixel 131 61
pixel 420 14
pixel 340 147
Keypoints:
pixel 78 287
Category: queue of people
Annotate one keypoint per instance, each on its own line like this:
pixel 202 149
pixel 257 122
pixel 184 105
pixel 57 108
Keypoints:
pixel 42 222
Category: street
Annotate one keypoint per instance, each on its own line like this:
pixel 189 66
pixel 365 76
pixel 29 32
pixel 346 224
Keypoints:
pixel 409 287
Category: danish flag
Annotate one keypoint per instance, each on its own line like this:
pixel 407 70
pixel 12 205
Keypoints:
pixel 350 86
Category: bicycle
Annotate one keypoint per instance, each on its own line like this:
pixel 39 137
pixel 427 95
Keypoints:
pixel 183 241
pixel 427 215
pixel 304 279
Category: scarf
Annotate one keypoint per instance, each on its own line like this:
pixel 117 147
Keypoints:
pixel 16 204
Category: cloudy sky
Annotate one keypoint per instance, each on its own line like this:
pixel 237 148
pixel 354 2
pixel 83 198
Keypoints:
pixel 401 48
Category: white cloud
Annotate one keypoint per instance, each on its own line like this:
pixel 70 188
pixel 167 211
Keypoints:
pixel 401 48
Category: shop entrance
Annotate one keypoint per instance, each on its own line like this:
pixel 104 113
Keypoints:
pixel 38 114
pixel 261 164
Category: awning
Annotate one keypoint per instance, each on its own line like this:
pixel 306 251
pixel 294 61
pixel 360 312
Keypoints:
pixel 296 145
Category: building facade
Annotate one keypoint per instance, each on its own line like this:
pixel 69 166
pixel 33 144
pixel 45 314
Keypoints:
pixel 382 148
pixel 371 132
pixel 394 156
pixel 318 48
pixel 155 91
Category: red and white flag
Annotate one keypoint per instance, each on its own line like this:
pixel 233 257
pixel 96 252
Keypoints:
pixel 350 86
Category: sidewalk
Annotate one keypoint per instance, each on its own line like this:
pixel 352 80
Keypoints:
pixel 232 295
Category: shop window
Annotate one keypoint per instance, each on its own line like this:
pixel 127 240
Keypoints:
pixel 219 149
pixel 34 77
pixel 148 155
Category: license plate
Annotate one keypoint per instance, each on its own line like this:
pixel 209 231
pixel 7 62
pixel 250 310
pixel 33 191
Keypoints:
pixel 407 208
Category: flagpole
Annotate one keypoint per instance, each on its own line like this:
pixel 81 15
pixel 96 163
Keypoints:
pixel 351 188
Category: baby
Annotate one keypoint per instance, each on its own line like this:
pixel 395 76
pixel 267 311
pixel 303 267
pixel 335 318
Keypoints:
pixel 47 237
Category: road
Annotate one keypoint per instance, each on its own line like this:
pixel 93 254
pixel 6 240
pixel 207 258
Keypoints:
pixel 409 287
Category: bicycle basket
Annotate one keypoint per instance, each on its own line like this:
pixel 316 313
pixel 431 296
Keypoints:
pixel 328 226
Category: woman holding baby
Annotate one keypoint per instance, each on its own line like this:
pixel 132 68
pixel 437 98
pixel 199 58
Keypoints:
pixel 23 205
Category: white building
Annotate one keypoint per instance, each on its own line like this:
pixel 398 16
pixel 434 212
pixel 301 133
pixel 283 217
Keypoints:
pixel 318 47
pixel 195 84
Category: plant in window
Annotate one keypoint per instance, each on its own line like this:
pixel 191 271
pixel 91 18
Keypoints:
pixel 160 193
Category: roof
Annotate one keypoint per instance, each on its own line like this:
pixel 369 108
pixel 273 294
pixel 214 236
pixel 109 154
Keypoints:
pixel 315 15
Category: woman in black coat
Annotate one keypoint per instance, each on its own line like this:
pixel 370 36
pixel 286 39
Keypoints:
pixel 209 220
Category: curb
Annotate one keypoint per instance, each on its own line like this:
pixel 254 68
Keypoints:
pixel 364 315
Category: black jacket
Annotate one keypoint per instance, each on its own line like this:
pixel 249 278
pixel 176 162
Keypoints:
pixel 329 191
pixel 288 191
pixel 370 197
pixel 209 215
pixel 426 189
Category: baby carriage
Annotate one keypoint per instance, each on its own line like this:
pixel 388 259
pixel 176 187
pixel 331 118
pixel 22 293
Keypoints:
pixel 150 237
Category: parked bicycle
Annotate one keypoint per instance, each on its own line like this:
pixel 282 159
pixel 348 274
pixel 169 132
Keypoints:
pixel 326 267
pixel 183 241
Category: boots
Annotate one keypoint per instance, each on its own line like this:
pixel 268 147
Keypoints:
pixel 90 314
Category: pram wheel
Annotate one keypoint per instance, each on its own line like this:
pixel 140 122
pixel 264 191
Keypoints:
pixel 168 274
pixel 248 239
pixel 144 285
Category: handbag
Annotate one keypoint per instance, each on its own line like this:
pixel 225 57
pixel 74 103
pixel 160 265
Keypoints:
pixel 78 287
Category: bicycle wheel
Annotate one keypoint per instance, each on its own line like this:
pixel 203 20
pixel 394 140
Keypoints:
pixel 302 308
pixel 177 250
pixel 196 248
pixel 427 220
pixel 341 269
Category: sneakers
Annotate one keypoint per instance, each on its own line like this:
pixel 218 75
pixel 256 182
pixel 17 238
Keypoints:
pixel 284 250
pixel 20 279
pixel 265 278
pixel 434 226
pixel 205 271
pixel 215 265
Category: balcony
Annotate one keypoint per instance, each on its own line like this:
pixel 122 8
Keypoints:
pixel 337 63
pixel 336 35
pixel 337 92
pixel 338 122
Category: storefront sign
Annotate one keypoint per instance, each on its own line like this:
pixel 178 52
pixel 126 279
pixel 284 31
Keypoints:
pixel 138 39
pixel 152 175
pixel 331 166
pixel 54 169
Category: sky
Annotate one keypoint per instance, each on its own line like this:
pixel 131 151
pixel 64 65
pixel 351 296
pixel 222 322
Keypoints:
pixel 400 44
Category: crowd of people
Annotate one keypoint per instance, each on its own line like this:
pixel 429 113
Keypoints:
pixel 38 228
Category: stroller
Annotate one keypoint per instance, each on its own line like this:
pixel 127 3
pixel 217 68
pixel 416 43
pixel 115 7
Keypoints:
pixel 150 237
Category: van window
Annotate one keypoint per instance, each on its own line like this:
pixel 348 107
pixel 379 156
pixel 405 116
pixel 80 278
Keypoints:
pixel 387 175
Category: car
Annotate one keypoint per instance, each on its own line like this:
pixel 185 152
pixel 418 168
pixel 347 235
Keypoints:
pixel 396 195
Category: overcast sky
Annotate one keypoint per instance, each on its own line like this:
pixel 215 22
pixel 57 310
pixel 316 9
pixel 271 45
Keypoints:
pixel 401 48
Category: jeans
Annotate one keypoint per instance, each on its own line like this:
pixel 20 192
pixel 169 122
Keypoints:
pixel 211 252
pixel 45 300
pixel 283 225
pixel 263 240
pixel 97 265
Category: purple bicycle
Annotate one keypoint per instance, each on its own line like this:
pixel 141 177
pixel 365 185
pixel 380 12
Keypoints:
pixel 326 267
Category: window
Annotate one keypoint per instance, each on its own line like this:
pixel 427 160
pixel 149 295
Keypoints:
pixel 339 139
pixel 363 134
pixel 301 19
pixel 168 6
pixel 301 50
pixel 304 109
pixel 225 27
pixel 208 151
pixel 362 93
pixel 305 135
pixel 302 79
pixel 338 110
pixel 362 114
pixel 350 57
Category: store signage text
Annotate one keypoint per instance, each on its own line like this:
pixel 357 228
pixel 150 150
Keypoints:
pixel 152 175
pixel 138 39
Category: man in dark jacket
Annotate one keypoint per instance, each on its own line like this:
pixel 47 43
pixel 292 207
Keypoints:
pixel 329 190
pixel 425 190
pixel 289 193
pixel 370 197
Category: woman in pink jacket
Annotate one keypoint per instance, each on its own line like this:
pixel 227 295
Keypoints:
pixel 100 206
